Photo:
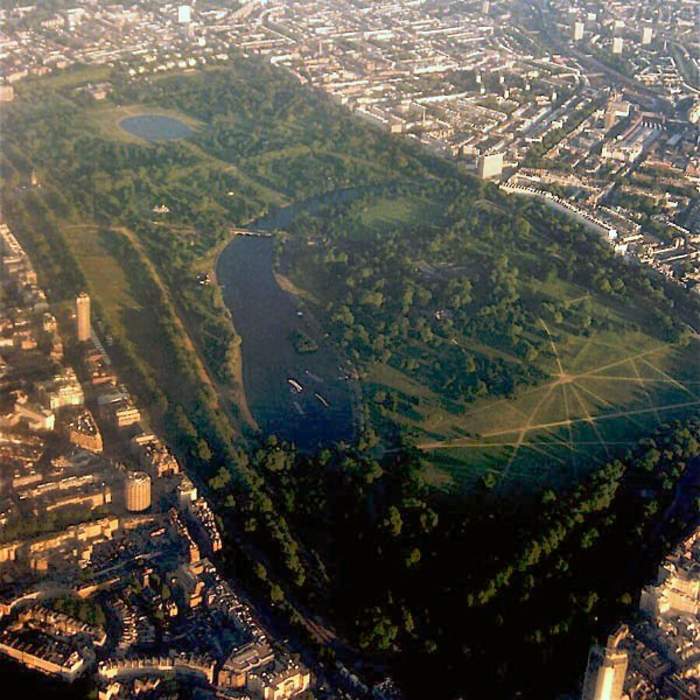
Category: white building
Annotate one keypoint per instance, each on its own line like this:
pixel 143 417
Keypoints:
pixel 490 166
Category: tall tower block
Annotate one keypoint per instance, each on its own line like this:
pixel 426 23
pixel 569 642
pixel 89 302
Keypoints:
pixel 607 668
pixel 184 14
pixel 137 492
pixel 82 317
pixel 490 166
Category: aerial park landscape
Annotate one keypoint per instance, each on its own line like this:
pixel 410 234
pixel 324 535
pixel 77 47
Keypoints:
pixel 379 368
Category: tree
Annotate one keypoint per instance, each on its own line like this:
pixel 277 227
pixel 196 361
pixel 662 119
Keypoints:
pixel 220 480
pixel 393 521
pixel 413 558
pixel 489 480
pixel 276 593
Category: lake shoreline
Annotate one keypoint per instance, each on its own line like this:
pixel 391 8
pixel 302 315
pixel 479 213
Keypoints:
pixel 304 398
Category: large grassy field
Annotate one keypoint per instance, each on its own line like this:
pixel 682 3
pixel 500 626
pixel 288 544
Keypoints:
pixel 605 392
pixel 109 282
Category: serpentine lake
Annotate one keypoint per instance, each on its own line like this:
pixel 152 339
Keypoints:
pixel 304 398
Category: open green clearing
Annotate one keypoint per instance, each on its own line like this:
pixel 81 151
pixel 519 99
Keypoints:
pixel 109 282
pixel 387 212
pixel 106 119
pixel 553 434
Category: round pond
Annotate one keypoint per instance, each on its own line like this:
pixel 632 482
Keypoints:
pixel 155 127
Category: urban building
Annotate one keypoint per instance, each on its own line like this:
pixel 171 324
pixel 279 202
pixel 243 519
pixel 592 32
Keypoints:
pixel 118 409
pixel 137 492
pixel 82 317
pixel 155 456
pixel 243 661
pixel 186 493
pixel 615 110
pixel 662 647
pixel 607 667
pixel 677 588
pixel 43 653
pixel 84 432
pixel 62 390
pixel 282 681
pixel 34 417
pixel 490 166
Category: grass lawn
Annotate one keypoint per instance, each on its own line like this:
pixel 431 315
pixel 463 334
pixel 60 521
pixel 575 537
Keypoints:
pixel 109 283
pixel 613 390
pixel 385 212
pixel 105 120
pixel 69 78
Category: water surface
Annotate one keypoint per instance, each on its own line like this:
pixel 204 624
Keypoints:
pixel 265 317
pixel 156 127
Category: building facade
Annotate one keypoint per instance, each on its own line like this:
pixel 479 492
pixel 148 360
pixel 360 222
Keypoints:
pixel 137 492
pixel 607 668
pixel 82 317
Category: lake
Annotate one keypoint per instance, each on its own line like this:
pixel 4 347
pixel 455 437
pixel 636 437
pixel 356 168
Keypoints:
pixel 156 127
pixel 319 410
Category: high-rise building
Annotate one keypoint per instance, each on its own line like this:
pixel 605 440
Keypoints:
pixel 607 668
pixel 485 7
pixel 647 36
pixel 82 317
pixel 137 492
pixel 184 14
pixel 617 45
pixel 490 166
pixel 616 109
pixel 578 31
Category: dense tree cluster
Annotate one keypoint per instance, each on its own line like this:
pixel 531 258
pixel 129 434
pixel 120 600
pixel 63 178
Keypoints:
pixel 489 587
pixel 456 302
